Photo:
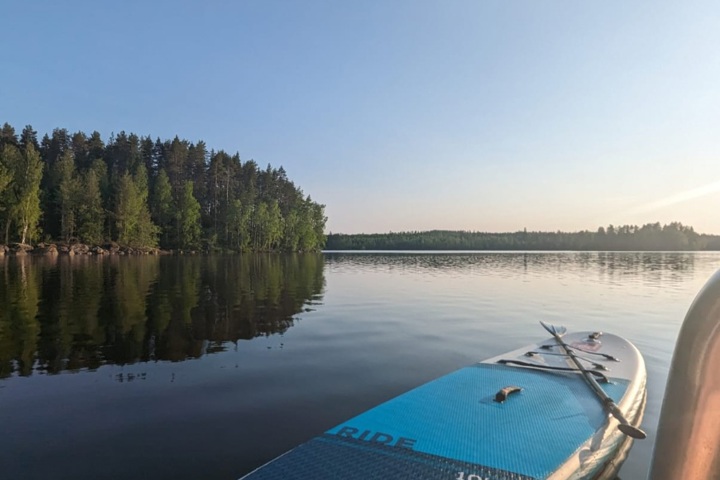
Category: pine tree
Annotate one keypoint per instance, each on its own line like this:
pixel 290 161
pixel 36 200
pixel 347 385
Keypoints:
pixel 258 226
pixel 176 154
pixel 95 147
pixel 126 212
pixel 318 224
pixel 5 178
pixel 197 169
pixel 161 207
pixel 147 152
pixel 7 135
pixel 52 150
pixel 274 227
pixel 29 136
pixel 81 154
pixel 188 218
pixel 67 194
pixel 9 157
pixel 27 175
pixel 91 216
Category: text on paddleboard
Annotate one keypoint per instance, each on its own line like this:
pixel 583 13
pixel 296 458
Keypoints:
pixel 472 476
pixel 376 437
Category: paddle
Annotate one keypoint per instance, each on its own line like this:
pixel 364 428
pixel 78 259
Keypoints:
pixel 597 366
pixel 604 355
pixel 538 366
pixel 608 402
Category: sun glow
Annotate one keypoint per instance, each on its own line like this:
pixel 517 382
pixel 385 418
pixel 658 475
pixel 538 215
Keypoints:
pixel 680 197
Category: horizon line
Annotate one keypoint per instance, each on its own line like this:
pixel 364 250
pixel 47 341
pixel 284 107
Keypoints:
pixel 523 230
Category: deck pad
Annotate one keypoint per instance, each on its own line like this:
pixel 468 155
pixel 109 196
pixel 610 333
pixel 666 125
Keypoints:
pixel 452 428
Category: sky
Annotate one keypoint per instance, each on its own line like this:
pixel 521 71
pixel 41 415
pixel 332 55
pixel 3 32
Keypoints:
pixel 402 115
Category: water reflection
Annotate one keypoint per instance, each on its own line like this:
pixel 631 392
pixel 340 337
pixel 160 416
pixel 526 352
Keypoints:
pixel 71 313
pixel 19 326
pixel 452 262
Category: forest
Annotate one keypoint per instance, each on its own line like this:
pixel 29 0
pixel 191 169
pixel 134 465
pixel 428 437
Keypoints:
pixel 651 236
pixel 145 193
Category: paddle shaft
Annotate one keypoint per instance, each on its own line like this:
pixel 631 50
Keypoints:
pixel 608 402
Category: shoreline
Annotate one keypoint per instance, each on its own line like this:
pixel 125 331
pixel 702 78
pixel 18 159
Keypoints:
pixel 51 249
pixel 106 249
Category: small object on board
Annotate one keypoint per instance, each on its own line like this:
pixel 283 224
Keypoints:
pixel 505 392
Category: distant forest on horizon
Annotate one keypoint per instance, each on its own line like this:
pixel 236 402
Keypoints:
pixel 649 237
pixel 145 193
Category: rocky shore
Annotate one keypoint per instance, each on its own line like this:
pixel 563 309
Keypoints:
pixel 20 249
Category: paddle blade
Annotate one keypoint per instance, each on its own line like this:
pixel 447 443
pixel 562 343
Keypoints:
pixel 631 431
pixel 553 330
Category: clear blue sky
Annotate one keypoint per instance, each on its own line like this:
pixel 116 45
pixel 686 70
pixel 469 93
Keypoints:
pixel 402 115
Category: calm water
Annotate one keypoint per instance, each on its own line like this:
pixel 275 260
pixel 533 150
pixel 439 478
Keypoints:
pixel 207 367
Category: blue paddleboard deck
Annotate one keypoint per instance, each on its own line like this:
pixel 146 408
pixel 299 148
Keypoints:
pixel 453 428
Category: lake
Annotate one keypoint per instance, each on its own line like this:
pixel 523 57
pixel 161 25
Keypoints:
pixel 207 367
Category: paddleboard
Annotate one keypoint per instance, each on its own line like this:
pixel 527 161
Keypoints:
pixel 517 416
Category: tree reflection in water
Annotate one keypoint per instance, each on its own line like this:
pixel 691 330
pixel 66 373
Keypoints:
pixel 72 313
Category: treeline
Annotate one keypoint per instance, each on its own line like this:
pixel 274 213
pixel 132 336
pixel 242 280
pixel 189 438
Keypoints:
pixel 146 193
pixel 651 236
